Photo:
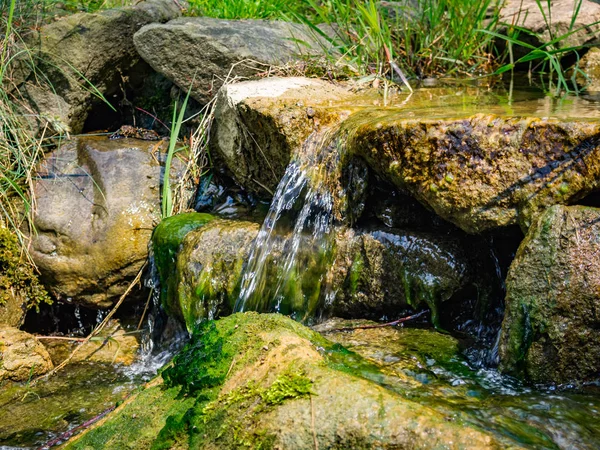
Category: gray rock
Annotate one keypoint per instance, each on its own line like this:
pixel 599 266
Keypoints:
pixel 97 201
pixel 22 356
pixel 84 55
pixel 550 327
pixel 201 52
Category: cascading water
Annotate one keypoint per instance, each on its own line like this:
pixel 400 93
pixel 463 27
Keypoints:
pixel 289 258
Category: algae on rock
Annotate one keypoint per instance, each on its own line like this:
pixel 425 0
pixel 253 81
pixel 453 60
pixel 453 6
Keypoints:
pixel 166 243
pixel 19 285
pixel 208 269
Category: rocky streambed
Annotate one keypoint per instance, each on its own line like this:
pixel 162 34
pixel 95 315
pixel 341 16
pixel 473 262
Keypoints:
pixel 472 209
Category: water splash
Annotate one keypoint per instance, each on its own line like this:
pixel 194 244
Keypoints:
pixel 290 256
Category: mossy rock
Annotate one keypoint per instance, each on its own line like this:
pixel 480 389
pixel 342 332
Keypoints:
pixel 265 381
pixel 166 243
pixel 550 328
pixel 370 274
pixel 209 268
pixel 20 289
pixel 484 171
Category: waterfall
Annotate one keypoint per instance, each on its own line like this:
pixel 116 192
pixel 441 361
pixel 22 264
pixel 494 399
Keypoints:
pixel 291 254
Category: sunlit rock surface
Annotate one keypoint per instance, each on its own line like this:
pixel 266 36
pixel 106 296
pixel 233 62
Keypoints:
pixel 97 202
pixel 265 380
pixel 550 329
pixel 22 356
pixel 260 124
pixel 201 53
pixel 575 26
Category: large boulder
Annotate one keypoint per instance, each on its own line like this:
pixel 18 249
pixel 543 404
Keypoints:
pixel 259 125
pixel 483 171
pixel 550 329
pixel 366 274
pixel 22 356
pixel 201 53
pixel 259 381
pixel 97 202
pixel 84 56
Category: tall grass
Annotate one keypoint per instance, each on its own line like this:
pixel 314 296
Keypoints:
pixel 19 148
pixel 427 38
pixel 545 58
pixel 244 9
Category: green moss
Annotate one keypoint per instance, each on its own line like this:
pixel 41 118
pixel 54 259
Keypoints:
pixel 202 364
pixel 217 347
pixel 166 240
pixel 17 276
pixel 287 386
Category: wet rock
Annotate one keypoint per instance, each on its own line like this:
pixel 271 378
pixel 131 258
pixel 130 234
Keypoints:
pixel 527 14
pixel 22 357
pixel 84 50
pixel 166 243
pixel 368 274
pixel 264 380
pixel 485 171
pixel 202 52
pixel 550 329
pixel 33 414
pixel 97 202
pixel 209 267
pixel 260 124
pixel 381 272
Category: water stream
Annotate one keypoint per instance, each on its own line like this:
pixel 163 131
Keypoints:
pixel 296 234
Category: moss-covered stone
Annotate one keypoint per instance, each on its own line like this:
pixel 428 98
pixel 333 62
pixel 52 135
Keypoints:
pixel 166 242
pixel 209 269
pixel 550 328
pixel 361 274
pixel 19 285
pixel 268 384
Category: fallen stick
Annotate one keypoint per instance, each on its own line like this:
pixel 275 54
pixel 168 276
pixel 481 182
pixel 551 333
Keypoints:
pixel 67 434
pixel 96 330
pixel 379 325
